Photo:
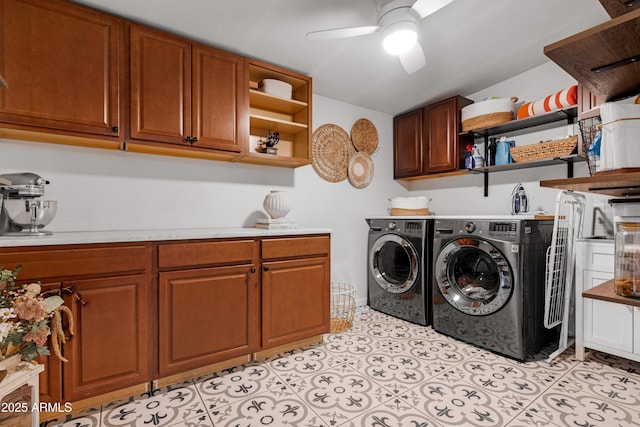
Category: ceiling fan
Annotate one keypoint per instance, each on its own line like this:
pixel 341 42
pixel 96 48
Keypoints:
pixel 398 23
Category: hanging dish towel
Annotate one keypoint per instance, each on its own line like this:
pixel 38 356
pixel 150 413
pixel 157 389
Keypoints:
pixel 562 99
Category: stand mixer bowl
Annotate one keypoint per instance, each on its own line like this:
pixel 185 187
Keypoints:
pixel 30 215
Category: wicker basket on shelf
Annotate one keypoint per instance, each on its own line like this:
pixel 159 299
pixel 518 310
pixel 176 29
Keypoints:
pixel 544 150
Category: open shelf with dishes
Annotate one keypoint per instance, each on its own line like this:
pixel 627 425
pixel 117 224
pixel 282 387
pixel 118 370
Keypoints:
pixel 270 113
pixel 519 127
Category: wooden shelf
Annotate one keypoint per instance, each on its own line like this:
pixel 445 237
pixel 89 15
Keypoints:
pixel 282 126
pixel 606 292
pixel 274 160
pixel 605 58
pixel 532 164
pixel 617 185
pixel 270 102
pixel 616 8
pixel 291 117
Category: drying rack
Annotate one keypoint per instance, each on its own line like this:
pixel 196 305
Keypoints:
pixel 567 228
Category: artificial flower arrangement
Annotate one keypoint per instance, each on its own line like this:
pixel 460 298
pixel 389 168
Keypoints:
pixel 27 318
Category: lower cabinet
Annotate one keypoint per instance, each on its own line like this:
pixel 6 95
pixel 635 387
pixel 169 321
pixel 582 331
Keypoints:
pixel 206 316
pixel 145 311
pixel 109 350
pixel 602 325
pixel 107 289
pixel 295 300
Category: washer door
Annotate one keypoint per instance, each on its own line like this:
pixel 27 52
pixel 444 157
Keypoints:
pixel 394 263
pixel 473 276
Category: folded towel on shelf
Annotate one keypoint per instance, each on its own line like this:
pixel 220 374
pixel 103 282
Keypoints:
pixel 562 99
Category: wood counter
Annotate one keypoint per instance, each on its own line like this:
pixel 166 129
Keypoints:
pixel 606 292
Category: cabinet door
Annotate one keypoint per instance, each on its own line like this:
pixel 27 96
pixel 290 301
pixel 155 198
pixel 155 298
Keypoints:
pixel 442 143
pixel 160 78
pixel 63 66
pixel 50 380
pixel 295 300
pixel 218 99
pixel 110 348
pixel 206 316
pixel 407 145
pixel 606 325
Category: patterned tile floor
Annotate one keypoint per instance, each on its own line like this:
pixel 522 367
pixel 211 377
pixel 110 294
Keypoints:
pixel 385 372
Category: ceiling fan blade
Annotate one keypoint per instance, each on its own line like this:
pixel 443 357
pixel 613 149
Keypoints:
pixel 413 60
pixel 426 7
pixel 337 33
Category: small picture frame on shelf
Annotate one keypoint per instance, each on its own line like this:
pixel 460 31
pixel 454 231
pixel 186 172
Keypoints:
pixel 267 146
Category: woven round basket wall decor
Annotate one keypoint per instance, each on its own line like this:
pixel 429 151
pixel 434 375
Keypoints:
pixel 364 136
pixel 360 170
pixel 331 152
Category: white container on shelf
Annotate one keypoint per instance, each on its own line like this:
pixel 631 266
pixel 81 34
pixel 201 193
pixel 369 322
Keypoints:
pixel 620 142
pixel 276 88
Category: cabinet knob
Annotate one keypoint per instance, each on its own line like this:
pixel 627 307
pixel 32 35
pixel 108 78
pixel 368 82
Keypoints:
pixel 115 129
pixel 189 140
pixel 253 270
pixel 194 140
pixel 265 268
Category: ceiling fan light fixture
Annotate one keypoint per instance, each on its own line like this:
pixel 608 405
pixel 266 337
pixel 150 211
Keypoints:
pixel 399 38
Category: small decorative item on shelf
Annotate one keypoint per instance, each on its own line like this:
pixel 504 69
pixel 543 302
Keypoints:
pixel 277 204
pixel 268 145
pixel 27 318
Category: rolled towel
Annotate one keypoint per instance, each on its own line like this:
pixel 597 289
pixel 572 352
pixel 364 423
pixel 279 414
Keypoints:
pixel 561 99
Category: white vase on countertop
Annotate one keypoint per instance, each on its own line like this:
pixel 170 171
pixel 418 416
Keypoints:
pixel 277 204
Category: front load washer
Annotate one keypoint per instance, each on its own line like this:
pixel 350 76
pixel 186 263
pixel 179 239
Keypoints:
pixel 399 254
pixel 488 283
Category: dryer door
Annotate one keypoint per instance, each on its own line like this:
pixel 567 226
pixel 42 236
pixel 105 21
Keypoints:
pixel 394 263
pixel 473 276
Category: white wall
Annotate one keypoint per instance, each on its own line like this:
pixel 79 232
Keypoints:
pixel 110 190
pixel 465 194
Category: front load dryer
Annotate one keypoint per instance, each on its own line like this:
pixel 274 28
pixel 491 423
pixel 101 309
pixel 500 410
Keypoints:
pixel 488 283
pixel 399 256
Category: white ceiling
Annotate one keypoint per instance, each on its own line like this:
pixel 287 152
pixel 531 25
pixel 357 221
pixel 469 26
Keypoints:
pixel 469 44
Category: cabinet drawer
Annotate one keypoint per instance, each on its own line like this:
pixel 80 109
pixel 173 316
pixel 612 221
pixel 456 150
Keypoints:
pixel 205 253
pixel 63 261
pixel 289 247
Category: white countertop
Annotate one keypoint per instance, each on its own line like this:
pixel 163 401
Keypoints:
pixel 81 237
pixel 529 216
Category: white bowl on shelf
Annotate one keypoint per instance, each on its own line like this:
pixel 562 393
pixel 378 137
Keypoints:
pixel 276 88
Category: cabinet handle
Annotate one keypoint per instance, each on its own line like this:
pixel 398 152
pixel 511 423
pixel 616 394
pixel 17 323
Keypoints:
pixel 115 129
pixel 253 270
pixel 194 140
pixel 265 268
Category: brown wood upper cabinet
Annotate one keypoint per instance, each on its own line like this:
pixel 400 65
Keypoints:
pixel 407 145
pixel 62 63
pixel 184 93
pixel 428 141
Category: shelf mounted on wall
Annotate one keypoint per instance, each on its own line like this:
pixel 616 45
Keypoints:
pixel 518 127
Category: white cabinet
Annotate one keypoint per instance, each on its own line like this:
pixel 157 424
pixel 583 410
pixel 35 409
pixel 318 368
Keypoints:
pixel 601 322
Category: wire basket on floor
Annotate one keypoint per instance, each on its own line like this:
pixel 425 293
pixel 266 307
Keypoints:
pixel 343 306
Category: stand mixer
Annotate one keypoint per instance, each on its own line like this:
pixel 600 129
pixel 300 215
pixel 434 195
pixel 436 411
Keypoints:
pixel 22 211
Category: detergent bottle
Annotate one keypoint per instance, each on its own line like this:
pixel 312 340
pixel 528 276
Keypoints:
pixel 468 157
pixel 503 154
